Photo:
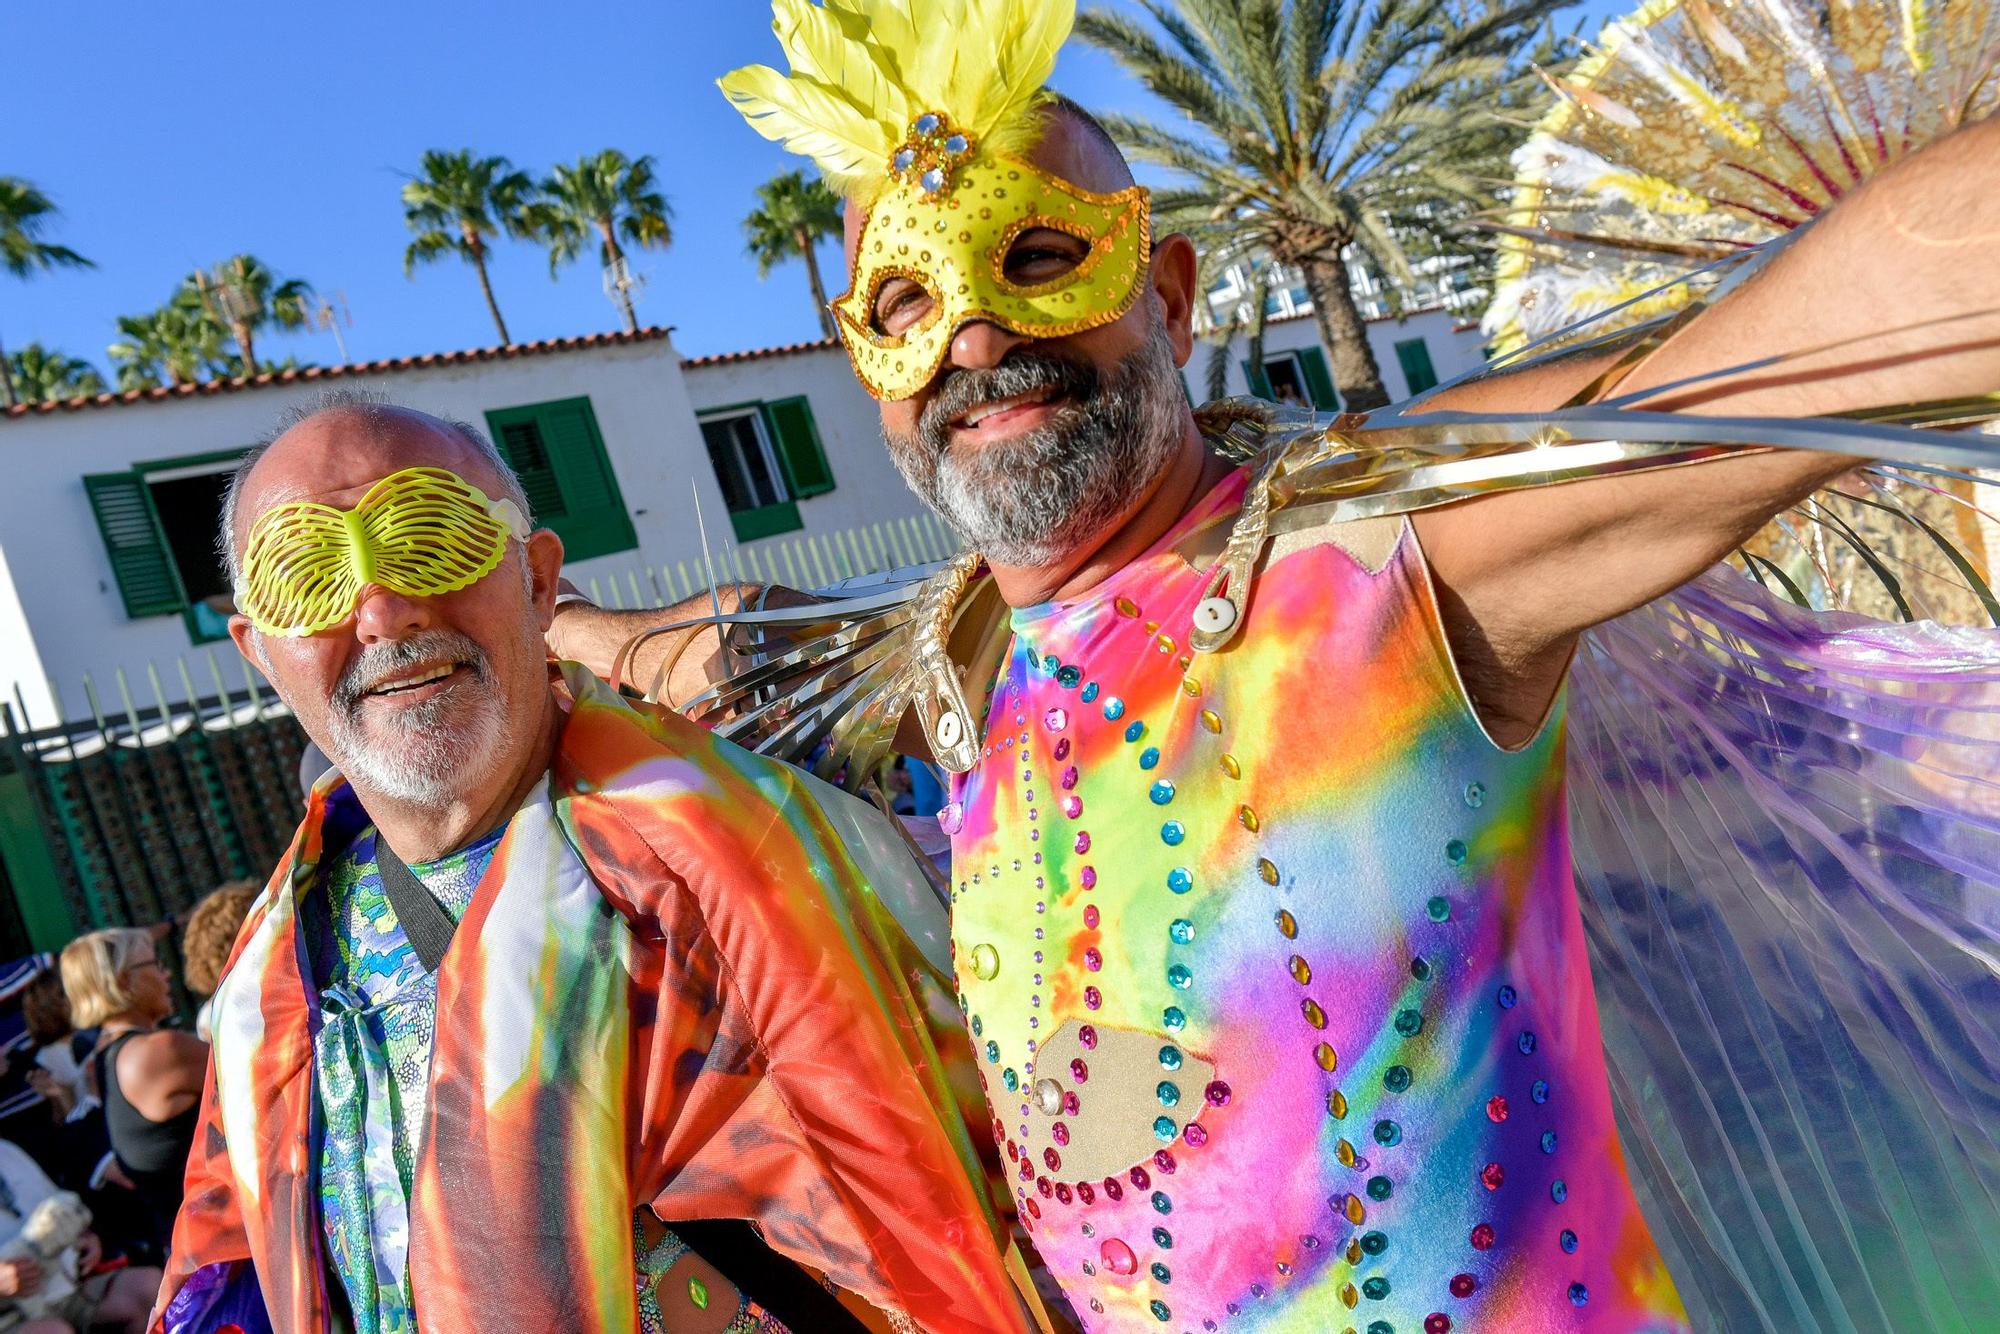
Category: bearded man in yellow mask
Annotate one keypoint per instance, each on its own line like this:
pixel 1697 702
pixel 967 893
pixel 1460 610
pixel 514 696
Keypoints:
pixel 1269 798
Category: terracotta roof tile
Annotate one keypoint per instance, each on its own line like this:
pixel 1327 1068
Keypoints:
pixel 308 374
pixel 758 353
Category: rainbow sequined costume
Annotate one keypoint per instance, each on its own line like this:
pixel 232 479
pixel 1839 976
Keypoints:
pixel 672 987
pixel 1296 1035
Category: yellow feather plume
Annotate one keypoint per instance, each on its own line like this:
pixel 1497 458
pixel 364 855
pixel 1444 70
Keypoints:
pixel 863 70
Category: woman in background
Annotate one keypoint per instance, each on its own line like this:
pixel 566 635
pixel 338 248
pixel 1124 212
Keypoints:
pixel 149 1077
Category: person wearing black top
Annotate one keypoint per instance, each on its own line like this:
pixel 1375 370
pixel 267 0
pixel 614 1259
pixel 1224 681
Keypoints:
pixel 149 1077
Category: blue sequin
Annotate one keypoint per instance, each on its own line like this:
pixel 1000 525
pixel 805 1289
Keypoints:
pixel 1180 977
pixel 1010 1079
pixel 1174 1018
pixel 1069 677
pixel 1170 1057
pixel 1539 1091
pixel 1161 1311
pixel 1507 997
pixel 1578 1294
pixel 1181 931
pixel 1161 792
pixel 1179 880
pixel 1161 1204
pixel 1089 693
pixel 1172 832
pixel 1149 757
pixel 1388 1134
pixel 1164 1129
pixel 1162 1273
pixel 1163 1239
pixel 1559 1190
pixel 1114 709
pixel 993 1052
pixel 1526 1042
pixel 1135 730
pixel 1567 1241
pixel 1168 1092
pixel 1548 1141
pixel 1050 663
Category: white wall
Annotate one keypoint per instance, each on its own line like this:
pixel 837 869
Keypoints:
pixel 1453 352
pixel 75 621
pixel 867 487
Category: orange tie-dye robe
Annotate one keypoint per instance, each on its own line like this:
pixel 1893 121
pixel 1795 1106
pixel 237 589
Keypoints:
pixel 672 987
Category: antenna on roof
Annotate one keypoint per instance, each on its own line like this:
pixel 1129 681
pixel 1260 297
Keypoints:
pixel 621 285
pixel 327 315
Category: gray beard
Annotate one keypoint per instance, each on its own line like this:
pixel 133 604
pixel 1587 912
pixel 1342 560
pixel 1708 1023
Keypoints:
pixel 422 753
pixel 1033 500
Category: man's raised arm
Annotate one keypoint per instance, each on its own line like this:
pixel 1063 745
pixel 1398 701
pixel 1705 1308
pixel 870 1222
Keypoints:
pixel 1893 297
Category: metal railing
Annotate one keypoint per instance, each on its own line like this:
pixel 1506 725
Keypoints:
pixel 801 560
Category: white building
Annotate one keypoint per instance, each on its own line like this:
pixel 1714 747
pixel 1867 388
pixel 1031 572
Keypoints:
pixel 109 505
pixel 1414 351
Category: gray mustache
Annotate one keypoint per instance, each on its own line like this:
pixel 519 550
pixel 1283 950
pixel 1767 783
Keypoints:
pixel 1022 372
pixel 380 661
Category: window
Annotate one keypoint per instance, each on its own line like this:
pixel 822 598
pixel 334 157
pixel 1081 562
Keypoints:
pixel 1418 373
pixel 558 453
pixel 159 525
pixel 767 457
pixel 1298 377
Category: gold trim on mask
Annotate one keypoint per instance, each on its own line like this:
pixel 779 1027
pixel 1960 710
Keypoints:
pixel 954 243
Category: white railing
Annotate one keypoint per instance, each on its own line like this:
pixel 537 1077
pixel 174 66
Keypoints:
pixel 797 560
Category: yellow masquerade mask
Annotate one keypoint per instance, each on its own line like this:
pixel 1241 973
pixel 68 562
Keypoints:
pixel 948 228
pixel 419 532
pixel 924 115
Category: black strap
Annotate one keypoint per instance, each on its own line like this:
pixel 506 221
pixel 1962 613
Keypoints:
pixel 425 922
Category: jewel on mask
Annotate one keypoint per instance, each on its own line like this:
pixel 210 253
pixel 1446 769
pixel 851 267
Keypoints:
pixel 930 157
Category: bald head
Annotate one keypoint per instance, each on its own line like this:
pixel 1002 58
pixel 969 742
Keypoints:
pixel 317 441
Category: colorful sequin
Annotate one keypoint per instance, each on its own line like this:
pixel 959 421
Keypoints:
pixel 1302 885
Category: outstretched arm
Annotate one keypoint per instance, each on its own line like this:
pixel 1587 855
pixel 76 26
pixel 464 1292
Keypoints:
pixel 1892 297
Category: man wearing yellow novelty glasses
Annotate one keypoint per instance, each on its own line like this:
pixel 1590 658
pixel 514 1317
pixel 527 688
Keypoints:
pixel 543 969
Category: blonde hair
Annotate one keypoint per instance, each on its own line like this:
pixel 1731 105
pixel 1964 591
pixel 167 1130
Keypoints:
pixel 93 973
pixel 211 933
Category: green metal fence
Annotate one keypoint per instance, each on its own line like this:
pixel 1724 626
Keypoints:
pixel 140 809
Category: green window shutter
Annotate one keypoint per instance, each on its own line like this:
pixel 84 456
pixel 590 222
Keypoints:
pixel 1258 380
pixel 559 454
pixel 795 436
pixel 140 559
pixel 1319 380
pixel 1418 373
pixel 766 521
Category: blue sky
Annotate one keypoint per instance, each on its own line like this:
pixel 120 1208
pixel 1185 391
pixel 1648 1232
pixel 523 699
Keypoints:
pixel 172 136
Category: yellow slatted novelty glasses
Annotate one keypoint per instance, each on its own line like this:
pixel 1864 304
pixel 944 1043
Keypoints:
pixel 419 532
pixel 923 114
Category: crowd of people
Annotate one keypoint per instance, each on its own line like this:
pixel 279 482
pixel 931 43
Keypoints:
pixel 98 1100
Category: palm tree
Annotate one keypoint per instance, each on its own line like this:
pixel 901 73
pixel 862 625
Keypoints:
pixel 455 203
pixel 24 211
pixel 1320 124
pixel 243 296
pixel 612 196
pixel 793 214
pixel 44 375
pixel 171 345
